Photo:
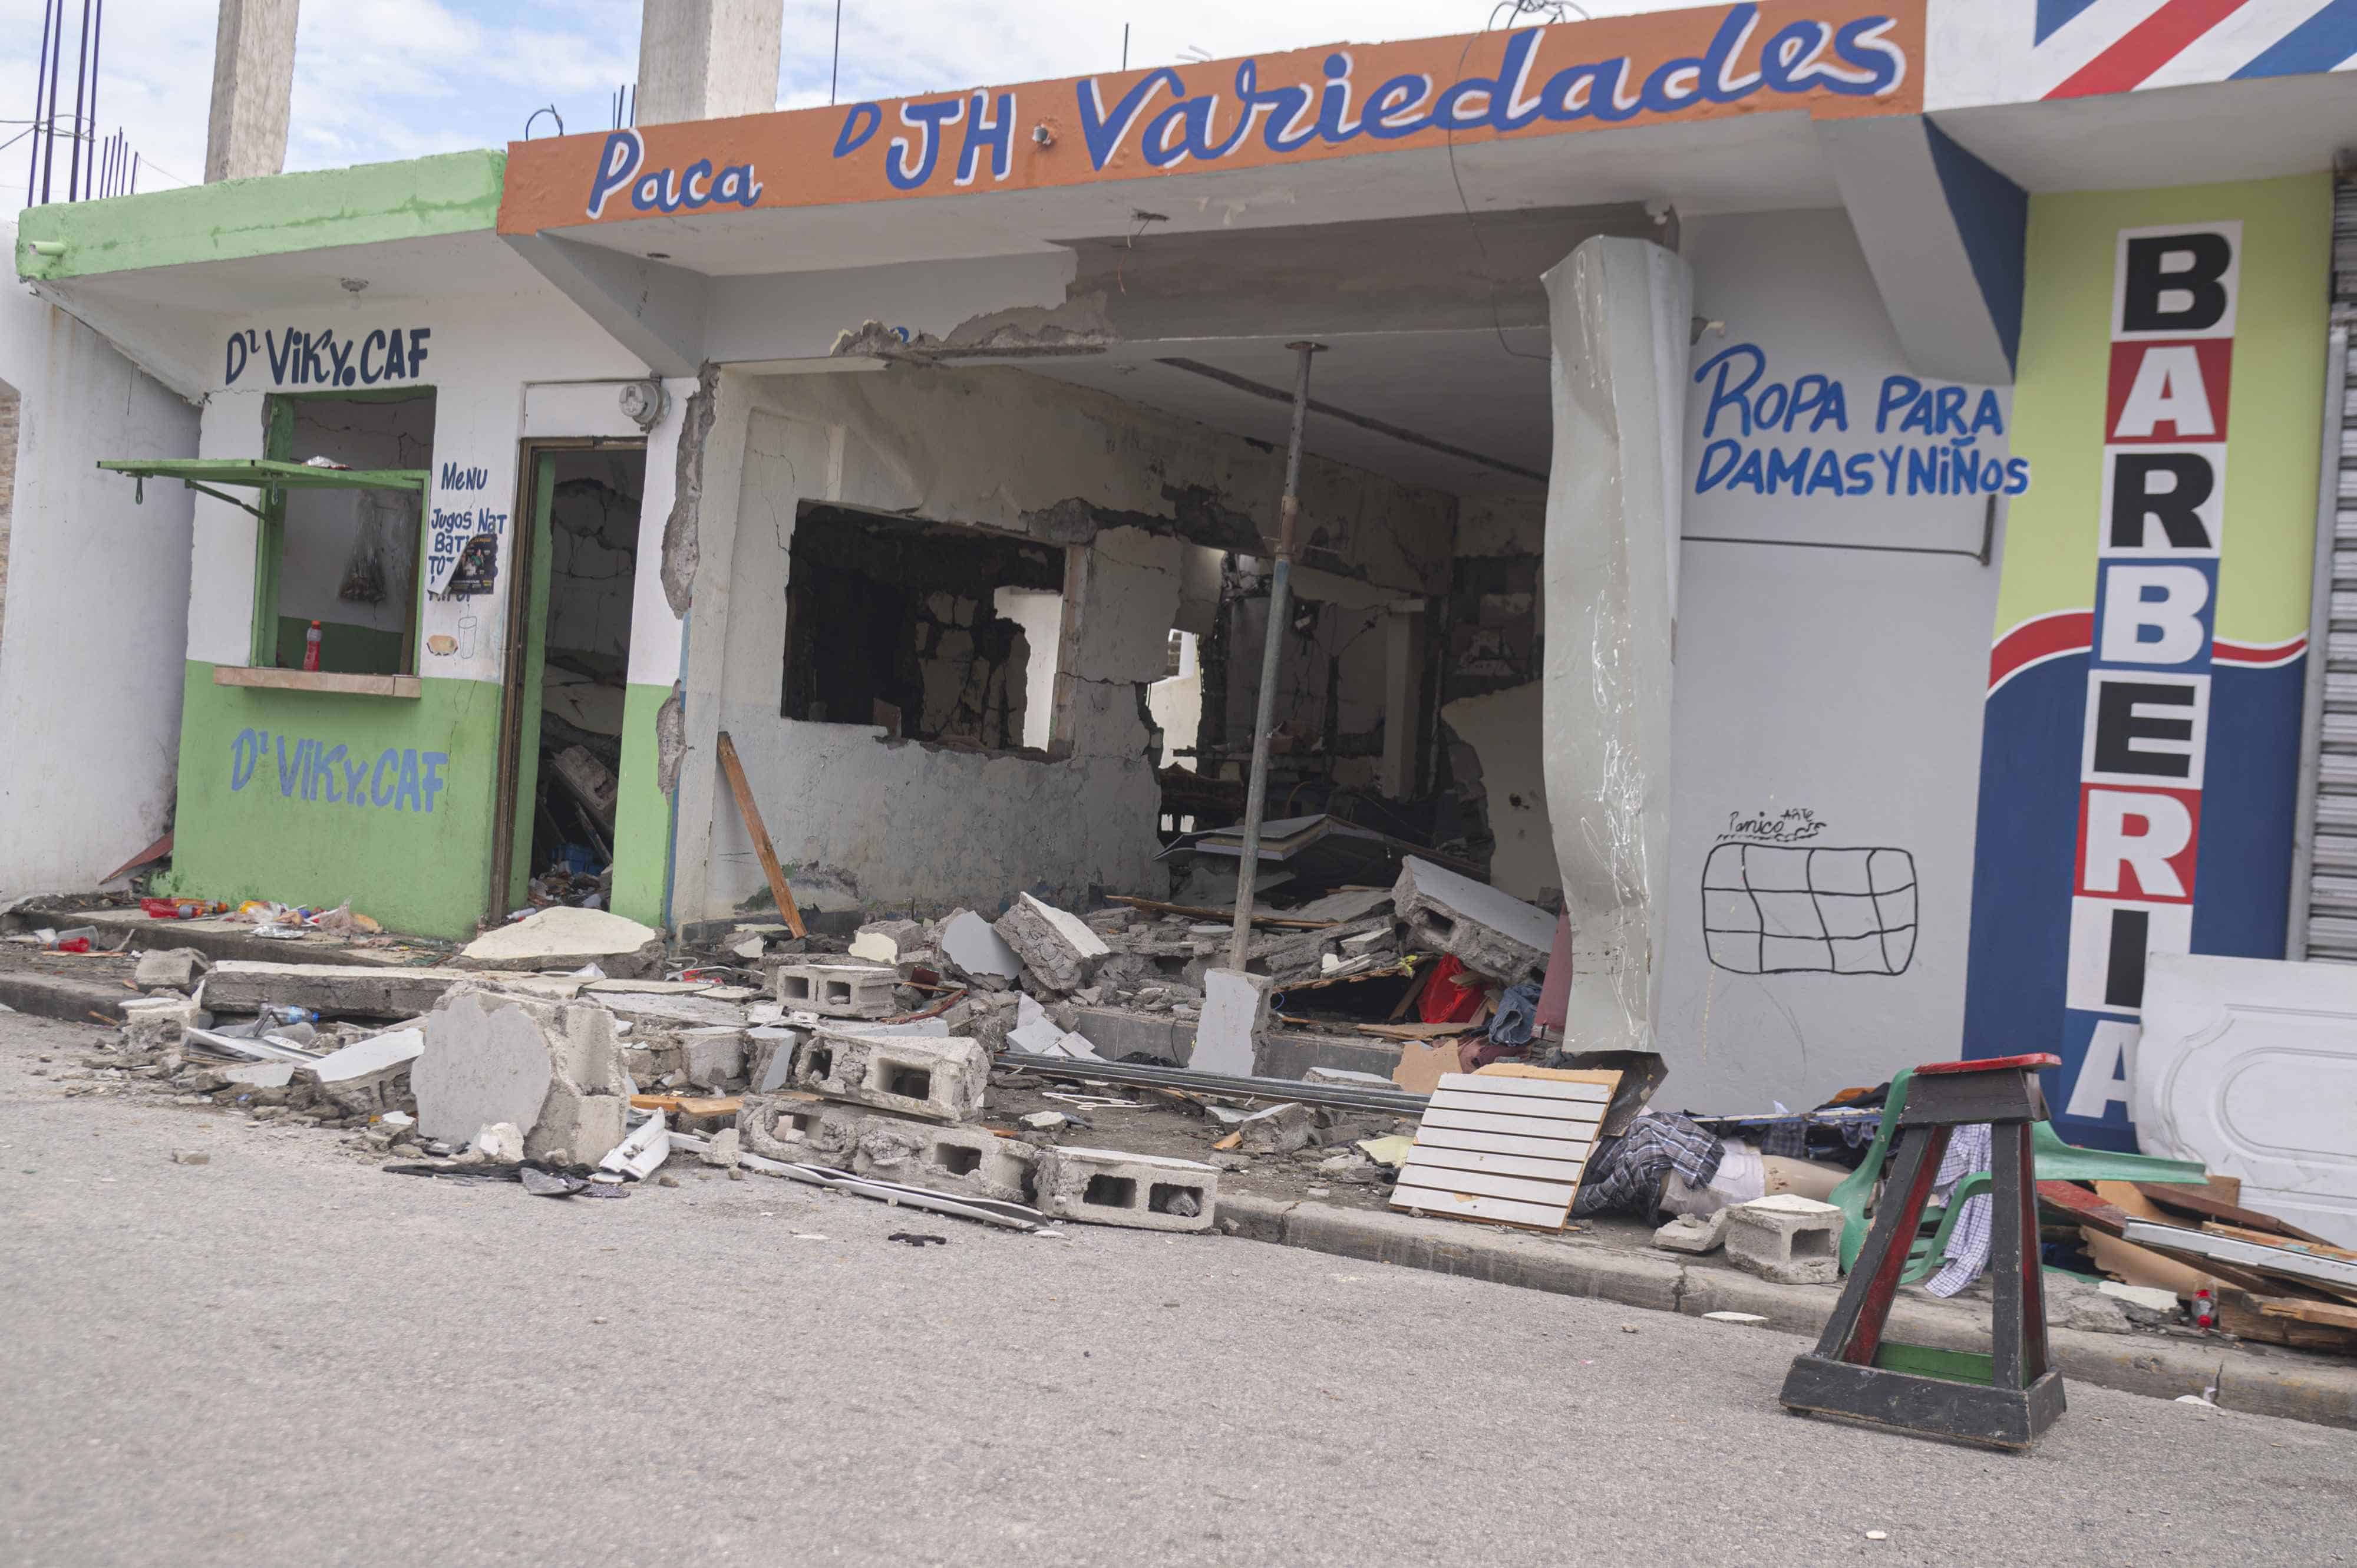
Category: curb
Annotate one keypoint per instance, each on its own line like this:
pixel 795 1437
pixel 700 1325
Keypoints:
pixel 2322 1393
pixel 57 996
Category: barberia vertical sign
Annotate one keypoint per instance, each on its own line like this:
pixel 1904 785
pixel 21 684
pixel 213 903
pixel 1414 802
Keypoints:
pixel 2162 524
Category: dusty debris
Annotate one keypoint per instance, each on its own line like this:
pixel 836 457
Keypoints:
pixel 564 939
pixel 1786 1239
pixel 1694 1233
pixel 174 968
pixel 1490 932
pixel 1056 946
pixel 364 1078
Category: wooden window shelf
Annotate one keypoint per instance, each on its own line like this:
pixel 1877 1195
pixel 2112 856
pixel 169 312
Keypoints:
pixel 408 686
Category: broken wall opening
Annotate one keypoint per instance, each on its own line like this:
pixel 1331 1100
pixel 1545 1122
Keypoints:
pixel 592 557
pixel 347 559
pixel 929 631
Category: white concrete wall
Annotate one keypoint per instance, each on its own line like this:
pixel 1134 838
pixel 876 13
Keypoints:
pixel 1824 699
pixel 861 821
pixel 97 606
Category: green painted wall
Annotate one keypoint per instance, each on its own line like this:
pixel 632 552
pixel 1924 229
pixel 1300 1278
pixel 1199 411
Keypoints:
pixel 450 193
pixel 412 855
pixel 641 812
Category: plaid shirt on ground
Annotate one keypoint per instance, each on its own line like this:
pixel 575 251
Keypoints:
pixel 1969 1149
pixel 1625 1175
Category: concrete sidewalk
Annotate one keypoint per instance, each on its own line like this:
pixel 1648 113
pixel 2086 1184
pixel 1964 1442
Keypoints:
pixel 2259 1379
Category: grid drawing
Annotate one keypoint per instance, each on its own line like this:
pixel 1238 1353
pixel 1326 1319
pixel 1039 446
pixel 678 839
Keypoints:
pixel 1769 908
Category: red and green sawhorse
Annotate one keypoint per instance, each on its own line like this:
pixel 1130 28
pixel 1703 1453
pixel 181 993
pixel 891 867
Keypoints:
pixel 2001 1400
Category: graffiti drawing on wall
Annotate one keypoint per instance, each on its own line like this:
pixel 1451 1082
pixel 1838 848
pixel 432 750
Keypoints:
pixel 1790 909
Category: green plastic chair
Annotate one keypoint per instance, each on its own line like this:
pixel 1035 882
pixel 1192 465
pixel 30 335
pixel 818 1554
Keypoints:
pixel 2054 1161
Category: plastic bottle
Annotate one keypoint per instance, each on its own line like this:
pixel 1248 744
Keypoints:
pixel 311 647
pixel 2205 1310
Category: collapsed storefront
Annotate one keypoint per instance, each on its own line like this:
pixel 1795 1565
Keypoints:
pixel 941 477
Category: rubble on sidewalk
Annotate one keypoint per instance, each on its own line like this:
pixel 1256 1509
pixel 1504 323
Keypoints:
pixel 564 938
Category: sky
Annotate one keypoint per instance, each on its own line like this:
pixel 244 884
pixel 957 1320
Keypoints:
pixel 378 80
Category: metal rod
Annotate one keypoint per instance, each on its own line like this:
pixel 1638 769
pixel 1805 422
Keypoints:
pixel 81 70
pixel 1279 594
pixel 40 63
pixel 49 126
pixel 835 71
pixel 97 42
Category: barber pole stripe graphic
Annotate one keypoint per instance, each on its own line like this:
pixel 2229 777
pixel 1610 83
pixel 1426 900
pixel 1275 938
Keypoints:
pixel 2087 47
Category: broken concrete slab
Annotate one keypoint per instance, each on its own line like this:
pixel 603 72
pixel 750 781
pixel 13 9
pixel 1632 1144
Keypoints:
pixel 176 969
pixel 936 1079
pixel 1056 945
pixel 722 1151
pixel 836 990
pixel 483 1062
pixel 1279 1130
pixel 1106 1186
pixel 800 1129
pixel 1785 1239
pixel 160 1023
pixel 770 1057
pixel 367 1078
pixel 334 991
pixel 563 938
pixel 1119 1032
pixel 972 948
pixel 476 1039
pixel 1235 1014
pixel 1490 932
pixel 1694 1233
pixel 261 1074
pixel 888 942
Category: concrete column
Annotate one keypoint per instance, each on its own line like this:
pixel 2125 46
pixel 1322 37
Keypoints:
pixel 253 77
pixel 706 59
pixel 1621 312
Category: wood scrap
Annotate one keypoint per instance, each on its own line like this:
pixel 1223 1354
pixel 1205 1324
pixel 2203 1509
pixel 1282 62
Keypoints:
pixel 2196 1201
pixel 2075 1202
pixel 2247 1315
pixel 1419 1031
pixel 2332 1314
pixel 690 1104
pixel 762 849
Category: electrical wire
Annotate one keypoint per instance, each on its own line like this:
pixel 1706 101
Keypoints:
pixel 1555 10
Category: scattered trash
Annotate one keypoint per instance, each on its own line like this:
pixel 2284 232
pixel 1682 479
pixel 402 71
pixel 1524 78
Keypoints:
pixel 916 1239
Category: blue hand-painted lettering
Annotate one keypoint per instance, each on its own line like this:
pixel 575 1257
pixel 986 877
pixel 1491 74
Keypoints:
pixel 312 770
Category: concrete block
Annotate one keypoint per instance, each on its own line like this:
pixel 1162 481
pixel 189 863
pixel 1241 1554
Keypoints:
pixel 1490 932
pixel 1054 944
pixel 365 1078
pixel 1106 1187
pixel 945 1159
pixel 712 1059
pixel 551 1067
pixel 770 1057
pixel 801 1128
pixel 260 1075
pixel 972 948
pixel 915 1075
pixel 160 1023
pixel 723 1150
pixel 1235 1014
pixel 1118 1031
pixel 501 1141
pixel 1694 1233
pixel 1786 1239
pixel 177 968
pixel 1279 1130
pixel 888 942
pixel 836 990
pixel 563 938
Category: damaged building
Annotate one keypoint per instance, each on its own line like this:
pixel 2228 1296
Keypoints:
pixel 1692 401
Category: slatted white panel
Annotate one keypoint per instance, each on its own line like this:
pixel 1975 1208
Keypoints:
pixel 1505 1148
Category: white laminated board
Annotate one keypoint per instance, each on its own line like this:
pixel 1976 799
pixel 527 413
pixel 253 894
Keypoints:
pixel 1505 1148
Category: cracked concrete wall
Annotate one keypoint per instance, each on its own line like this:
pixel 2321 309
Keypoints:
pixel 862 822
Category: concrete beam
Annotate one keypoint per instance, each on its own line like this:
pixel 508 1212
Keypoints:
pixel 1623 311
pixel 653 309
pixel 707 60
pixel 253 79
pixel 1945 236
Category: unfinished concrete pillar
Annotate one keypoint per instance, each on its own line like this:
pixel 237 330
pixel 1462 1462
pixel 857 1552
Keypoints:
pixel 254 78
pixel 1621 311
pixel 705 59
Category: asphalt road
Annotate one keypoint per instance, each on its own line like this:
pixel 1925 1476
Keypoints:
pixel 285 1356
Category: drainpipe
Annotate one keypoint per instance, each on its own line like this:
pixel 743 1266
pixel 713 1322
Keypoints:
pixel 1279 594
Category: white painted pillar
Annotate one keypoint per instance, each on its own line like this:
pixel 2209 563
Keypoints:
pixel 1621 318
pixel 707 60
pixel 702 794
pixel 253 79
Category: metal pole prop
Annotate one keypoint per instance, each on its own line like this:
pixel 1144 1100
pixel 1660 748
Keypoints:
pixel 1279 608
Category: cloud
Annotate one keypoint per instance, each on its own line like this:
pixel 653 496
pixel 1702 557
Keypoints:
pixel 394 78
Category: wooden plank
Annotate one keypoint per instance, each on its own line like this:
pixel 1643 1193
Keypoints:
pixel 1415 1031
pixel 751 813
pixel 1466 1206
pixel 1607 1078
pixel 1431 1135
pixel 1440 1156
pixel 2332 1314
pixel 1583 1115
pixel 1518 1189
pixel 2209 1206
pixel 2269 1239
pixel 266 679
pixel 1518 1126
pixel 2082 1206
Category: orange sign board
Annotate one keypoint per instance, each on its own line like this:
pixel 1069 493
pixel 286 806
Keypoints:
pixel 1826 58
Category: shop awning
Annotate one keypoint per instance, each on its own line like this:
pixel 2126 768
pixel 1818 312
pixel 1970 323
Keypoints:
pixel 201 474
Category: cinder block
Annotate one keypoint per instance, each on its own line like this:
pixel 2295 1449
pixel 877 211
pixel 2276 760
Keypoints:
pixel 770 1057
pixel 712 1057
pixel 1787 1239
pixel 1106 1187
pixel 945 1159
pixel 836 989
pixel 800 1128
pixel 1487 931
pixel 914 1074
